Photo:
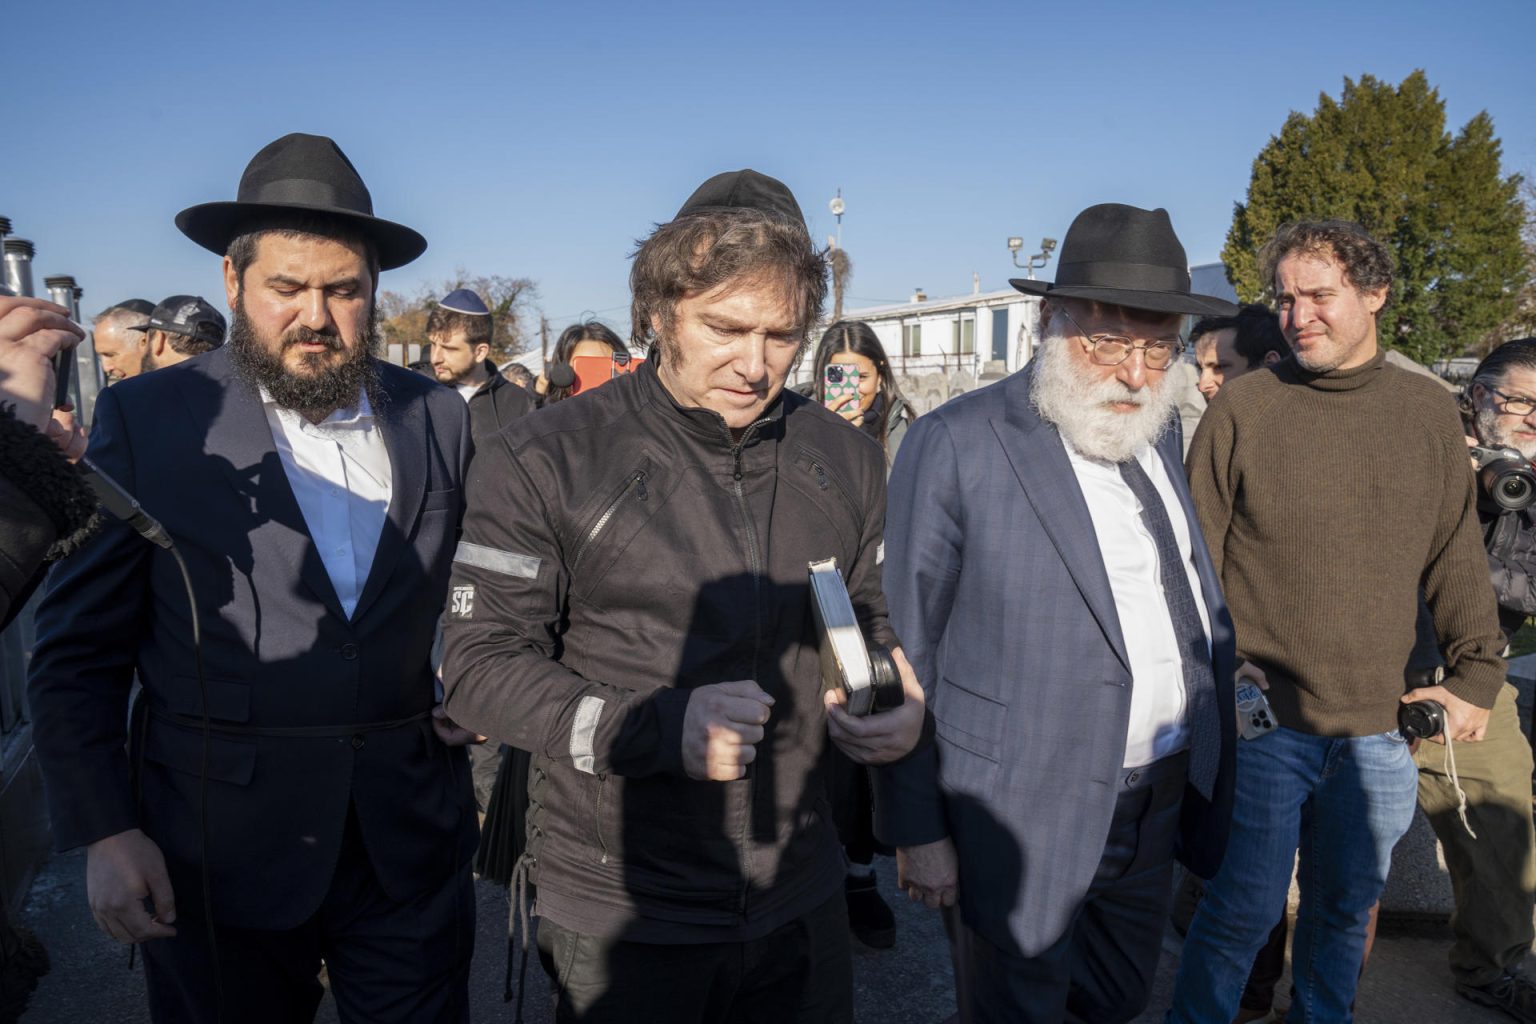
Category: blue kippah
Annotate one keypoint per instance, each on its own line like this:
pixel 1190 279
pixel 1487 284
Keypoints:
pixel 462 300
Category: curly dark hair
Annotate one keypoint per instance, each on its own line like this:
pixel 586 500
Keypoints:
pixel 701 251
pixel 1367 263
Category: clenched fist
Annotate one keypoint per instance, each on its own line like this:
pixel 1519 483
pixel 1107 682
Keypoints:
pixel 721 729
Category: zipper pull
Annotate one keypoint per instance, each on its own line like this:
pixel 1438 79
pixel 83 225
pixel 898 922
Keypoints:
pixel 640 486
pixel 736 454
pixel 821 475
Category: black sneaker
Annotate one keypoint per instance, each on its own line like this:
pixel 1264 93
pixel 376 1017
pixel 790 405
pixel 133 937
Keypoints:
pixel 1510 992
pixel 869 916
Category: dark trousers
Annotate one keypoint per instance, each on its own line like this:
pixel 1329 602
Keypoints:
pixel 801 973
pixel 387 961
pixel 1101 970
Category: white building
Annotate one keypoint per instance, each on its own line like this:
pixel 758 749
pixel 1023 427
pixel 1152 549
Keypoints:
pixel 924 335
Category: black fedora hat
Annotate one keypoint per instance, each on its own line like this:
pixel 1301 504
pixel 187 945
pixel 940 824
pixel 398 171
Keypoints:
pixel 1129 257
pixel 300 174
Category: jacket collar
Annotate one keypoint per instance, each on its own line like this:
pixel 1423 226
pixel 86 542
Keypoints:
pixel 705 424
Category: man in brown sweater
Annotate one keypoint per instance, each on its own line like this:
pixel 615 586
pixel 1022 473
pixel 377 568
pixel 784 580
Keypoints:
pixel 1330 488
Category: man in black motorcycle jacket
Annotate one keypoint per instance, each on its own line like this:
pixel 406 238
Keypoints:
pixel 630 603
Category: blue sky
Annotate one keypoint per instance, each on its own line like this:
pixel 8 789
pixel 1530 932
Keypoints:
pixel 541 140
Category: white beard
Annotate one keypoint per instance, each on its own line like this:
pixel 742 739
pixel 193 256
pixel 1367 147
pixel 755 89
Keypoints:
pixel 1487 426
pixel 1079 406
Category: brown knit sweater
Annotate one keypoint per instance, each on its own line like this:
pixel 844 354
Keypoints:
pixel 1327 500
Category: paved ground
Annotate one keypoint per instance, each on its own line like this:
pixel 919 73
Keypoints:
pixel 90 980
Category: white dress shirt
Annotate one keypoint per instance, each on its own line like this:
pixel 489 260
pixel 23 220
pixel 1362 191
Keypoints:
pixel 339 471
pixel 1158 725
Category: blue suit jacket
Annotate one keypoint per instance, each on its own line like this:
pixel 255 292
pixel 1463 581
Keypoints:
pixel 999 593
pixel 193 444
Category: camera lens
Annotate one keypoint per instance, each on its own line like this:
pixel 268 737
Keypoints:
pixel 1421 720
pixel 834 374
pixel 1514 492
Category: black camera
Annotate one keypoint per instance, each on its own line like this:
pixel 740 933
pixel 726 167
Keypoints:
pixel 865 673
pixel 1421 720
pixel 1506 477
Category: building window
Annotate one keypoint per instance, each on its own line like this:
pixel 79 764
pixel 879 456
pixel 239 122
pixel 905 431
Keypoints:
pixel 911 339
pixel 1000 334
pixel 963 337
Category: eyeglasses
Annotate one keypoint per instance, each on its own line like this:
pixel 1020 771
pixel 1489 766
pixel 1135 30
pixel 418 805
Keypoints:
pixel 1515 405
pixel 1112 349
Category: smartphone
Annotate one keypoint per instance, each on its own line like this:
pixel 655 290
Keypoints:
pixel 63 364
pixel 838 380
pixel 1254 717
pixel 592 371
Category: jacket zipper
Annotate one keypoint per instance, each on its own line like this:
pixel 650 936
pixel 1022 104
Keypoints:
pixel 757 630
pixel 634 485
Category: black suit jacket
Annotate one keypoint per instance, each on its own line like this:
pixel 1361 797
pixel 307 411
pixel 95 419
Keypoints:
pixel 193 444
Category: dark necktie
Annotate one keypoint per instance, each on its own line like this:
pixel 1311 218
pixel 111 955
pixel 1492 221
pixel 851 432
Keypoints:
pixel 1194 648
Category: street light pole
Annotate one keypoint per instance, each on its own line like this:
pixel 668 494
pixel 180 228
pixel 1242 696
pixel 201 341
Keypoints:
pixel 1031 263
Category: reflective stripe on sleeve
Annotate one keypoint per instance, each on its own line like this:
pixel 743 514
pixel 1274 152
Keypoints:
pixel 584 733
pixel 505 562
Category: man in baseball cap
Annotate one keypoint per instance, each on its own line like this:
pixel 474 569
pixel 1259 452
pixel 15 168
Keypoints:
pixel 181 327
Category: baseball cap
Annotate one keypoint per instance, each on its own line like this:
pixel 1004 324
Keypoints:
pixel 189 316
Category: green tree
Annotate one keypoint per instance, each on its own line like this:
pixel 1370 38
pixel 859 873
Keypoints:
pixel 1522 324
pixel 1382 157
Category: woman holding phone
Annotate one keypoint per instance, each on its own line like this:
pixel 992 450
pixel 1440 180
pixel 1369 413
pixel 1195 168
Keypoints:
pixel 587 338
pixel 853 378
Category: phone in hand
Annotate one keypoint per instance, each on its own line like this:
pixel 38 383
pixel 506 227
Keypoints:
pixel 837 381
pixel 63 364
pixel 1254 717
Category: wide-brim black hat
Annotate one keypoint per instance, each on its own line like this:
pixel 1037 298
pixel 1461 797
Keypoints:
pixel 300 174
pixel 1127 257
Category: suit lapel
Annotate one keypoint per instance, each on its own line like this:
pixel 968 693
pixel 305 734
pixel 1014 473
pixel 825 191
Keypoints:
pixel 403 421
pixel 1040 463
pixel 239 438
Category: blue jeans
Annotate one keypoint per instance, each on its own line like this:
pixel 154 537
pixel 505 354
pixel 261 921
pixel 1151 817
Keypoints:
pixel 1345 802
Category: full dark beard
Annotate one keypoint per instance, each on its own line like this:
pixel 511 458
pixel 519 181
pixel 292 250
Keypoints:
pixel 321 387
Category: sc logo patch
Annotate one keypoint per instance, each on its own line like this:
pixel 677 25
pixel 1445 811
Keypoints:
pixel 461 604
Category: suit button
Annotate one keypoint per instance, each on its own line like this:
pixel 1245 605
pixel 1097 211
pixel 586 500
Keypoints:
pixel 1133 778
pixel 349 651
pixel 358 741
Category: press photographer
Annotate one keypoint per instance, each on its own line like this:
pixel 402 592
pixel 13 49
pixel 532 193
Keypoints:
pixel 1493 875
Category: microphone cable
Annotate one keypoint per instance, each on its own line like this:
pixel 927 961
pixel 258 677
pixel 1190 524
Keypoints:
pixel 118 503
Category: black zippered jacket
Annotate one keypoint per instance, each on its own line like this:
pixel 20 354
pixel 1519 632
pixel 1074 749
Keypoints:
pixel 618 551
pixel 497 404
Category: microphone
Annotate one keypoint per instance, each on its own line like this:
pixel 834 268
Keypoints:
pixel 561 375
pixel 122 505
